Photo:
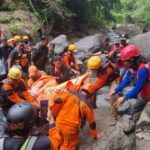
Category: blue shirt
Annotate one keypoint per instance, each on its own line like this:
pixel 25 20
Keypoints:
pixel 143 74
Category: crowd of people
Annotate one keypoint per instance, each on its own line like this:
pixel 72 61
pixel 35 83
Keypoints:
pixel 26 64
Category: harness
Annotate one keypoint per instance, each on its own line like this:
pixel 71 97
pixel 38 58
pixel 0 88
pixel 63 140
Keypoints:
pixel 28 144
pixel 71 57
pixel 82 97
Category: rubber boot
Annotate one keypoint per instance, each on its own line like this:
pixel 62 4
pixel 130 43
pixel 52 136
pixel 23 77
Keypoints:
pixel 132 123
pixel 130 128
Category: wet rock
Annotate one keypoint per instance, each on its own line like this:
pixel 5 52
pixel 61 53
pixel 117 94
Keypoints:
pixel 61 43
pixel 142 42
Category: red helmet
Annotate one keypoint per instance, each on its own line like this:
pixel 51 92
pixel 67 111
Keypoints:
pixel 129 51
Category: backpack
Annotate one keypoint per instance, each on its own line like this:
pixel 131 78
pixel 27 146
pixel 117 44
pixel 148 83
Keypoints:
pixel 28 144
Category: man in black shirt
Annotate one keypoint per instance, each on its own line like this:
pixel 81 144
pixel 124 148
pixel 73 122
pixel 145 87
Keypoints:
pixel 5 49
pixel 59 70
pixel 39 54
pixel 19 56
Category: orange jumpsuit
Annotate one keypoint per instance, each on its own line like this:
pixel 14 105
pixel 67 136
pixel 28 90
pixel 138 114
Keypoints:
pixel 69 58
pixel 18 92
pixel 54 138
pixel 105 76
pixel 73 111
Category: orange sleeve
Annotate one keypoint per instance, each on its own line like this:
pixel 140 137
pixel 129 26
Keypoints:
pixel 28 97
pixel 12 96
pixel 75 64
pixel 101 81
pixel 54 138
pixel 91 120
pixel 98 84
pixel 66 60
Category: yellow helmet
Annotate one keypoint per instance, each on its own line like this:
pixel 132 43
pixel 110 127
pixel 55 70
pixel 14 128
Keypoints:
pixel 72 47
pixel 25 37
pixel 17 37
pixel 94 62
pixel 14 73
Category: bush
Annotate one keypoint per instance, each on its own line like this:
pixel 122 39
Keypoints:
pixel 4 19
pixel 15 28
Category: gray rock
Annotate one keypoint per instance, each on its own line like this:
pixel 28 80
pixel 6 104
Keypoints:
pixel 124 108
pixel 61 42
pixel 104 90
pixel 102 101
pixel 114 138
pixel 118 140
pixel 142 144
pixel 131 29
pixel 89 43
pixel 142 42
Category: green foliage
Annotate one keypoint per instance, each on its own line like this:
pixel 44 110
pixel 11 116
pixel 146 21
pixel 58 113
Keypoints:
pixel 11 6
pixel 136 11
pixel 4 19
pixel 119 16
pixel 77 13
pixel 142 12
pixel 15 28
pixel 33 28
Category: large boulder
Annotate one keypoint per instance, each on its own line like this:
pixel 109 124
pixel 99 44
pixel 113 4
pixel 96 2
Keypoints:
pixel 131 29
pixel 142 41
pixel 143 130
pixel 89 43
pixel 114 138
pixel 61 43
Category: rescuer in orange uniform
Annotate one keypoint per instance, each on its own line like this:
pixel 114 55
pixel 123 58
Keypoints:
pixel 74 109
pixel 103 73
pixel 70 60
pixel 14 89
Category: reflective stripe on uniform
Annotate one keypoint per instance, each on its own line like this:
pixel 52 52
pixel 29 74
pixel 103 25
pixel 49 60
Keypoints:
pixel 29 143
pixel 2 143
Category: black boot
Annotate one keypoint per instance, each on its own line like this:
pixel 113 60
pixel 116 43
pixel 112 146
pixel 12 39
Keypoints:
pixel 130 128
